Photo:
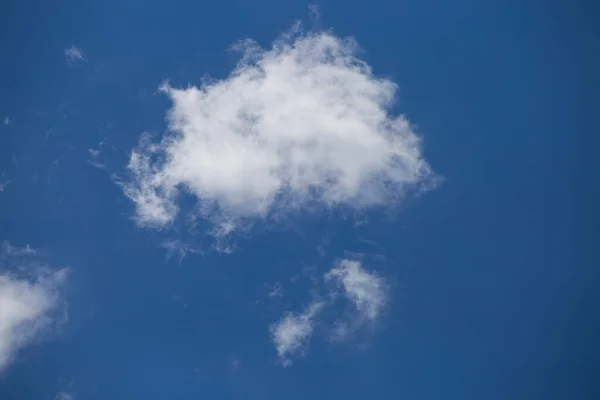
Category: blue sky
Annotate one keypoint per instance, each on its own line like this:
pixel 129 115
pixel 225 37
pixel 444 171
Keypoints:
pixel 289 200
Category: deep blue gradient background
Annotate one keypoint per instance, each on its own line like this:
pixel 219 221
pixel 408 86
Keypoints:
pixel 495 273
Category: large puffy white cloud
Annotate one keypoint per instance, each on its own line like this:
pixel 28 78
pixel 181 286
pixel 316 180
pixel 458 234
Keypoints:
pixel 303 123
pixel 29 300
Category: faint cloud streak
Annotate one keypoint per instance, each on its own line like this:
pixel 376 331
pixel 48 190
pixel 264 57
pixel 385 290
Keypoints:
pixel 74 55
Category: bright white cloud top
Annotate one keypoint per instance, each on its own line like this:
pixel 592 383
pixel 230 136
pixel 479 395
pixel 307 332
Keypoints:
pixel 303 123
pixel 28 303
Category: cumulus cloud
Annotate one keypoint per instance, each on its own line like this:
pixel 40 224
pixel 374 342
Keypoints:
pixel 304 123
pixel 348 280
pixel 74 55
pixel 29 299
pixel 292 333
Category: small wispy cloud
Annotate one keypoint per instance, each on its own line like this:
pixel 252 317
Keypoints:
pixel 94 152
pixel 314 12
pixel 179 249
pixel 292 333
pixel 346 280
pixel 64 396
pixel 95 160
pixel 365 290
pixel 3 185
pixel 29 300
pixel 276 291
pixel 6 121
pixel 9 252
pixel 74 55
